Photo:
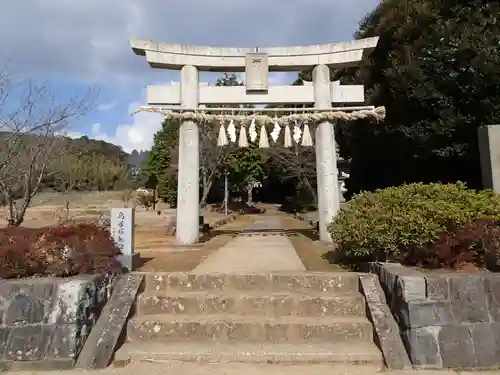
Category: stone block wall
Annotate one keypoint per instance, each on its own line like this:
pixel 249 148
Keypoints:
pixel 446 320
pixel 44 322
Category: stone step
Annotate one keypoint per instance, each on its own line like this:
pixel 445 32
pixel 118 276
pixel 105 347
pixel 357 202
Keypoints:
pixel 237 328
pixel 242 368
pixel 306 282
pixel 251 303
pixel 359 353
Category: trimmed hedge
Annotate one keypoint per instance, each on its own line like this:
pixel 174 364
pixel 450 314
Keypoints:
pixel 62 251
pixel 392 224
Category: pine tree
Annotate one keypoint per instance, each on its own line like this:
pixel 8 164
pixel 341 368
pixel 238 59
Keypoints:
pixel 436 71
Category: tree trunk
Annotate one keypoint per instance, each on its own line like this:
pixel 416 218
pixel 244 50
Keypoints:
pixel 11 220
pixel 14 219
pixel 250 195
pixel 154 200
pixel 207 185
pixel 313 192
pixel 18 221
pixel 65 219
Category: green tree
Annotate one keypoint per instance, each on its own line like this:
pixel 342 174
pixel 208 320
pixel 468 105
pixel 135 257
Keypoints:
pixel 298 166
pixel 246 167
pixel 162 161
pixel 246 170
pixel 436 71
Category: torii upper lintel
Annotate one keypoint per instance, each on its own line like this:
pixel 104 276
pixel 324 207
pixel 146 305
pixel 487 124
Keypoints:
pixel 219 59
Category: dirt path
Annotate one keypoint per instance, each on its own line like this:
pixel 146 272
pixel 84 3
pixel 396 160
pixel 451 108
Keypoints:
pixel 255 251
pixel 177 260
pixel 300 234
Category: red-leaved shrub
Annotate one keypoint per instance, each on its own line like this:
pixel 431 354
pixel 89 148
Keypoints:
pixel 61 251
pixel 470 244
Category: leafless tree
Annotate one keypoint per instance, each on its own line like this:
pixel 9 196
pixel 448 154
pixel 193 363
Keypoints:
pixel 296 162
pixel 32 124
pixel 211 156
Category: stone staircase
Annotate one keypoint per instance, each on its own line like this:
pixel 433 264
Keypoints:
pixel 284 318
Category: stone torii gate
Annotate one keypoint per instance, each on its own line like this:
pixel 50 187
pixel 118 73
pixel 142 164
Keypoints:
pixel 256 63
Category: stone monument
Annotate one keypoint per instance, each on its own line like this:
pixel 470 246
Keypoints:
pixel 256 63
pixel 122 232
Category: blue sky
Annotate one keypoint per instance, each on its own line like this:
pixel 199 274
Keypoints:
pixel 75 44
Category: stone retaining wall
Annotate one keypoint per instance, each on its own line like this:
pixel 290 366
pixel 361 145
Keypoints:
pixel 386 330
pixel 44 322
pixel 446 320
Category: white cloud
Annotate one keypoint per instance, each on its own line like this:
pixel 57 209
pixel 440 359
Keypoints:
pixel 88 42
pixel 106 106
pixel 96 128
pixel 74 135
pixel 134 135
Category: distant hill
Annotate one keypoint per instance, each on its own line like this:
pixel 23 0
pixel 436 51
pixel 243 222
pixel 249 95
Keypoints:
pixel 86 145
pixel 137 158
pixel 83 164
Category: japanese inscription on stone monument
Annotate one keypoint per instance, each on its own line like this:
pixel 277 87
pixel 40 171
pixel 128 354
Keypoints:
pixel 122 231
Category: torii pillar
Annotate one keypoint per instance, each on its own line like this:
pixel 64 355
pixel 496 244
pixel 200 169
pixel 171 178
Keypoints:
pixel 326 156
pixel 256 63
pixel 188 179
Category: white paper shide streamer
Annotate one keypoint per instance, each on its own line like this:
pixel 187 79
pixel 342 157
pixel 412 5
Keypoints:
pixel 231 130
pixel 288 137
pixel 263 140
pixel 306 136
pixel 243 140
pixel 222 139
pixel 276 131
pixel 300 135
pixel 297 133
pixel 253 131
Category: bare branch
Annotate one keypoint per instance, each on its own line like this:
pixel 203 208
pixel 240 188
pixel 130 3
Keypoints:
pixel 296 163
pixel 211 156
pixel 32 120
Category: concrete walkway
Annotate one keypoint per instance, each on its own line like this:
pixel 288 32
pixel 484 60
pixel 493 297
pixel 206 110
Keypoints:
pixel 255 252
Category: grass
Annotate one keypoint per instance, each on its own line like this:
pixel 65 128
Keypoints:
pixel 311 253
